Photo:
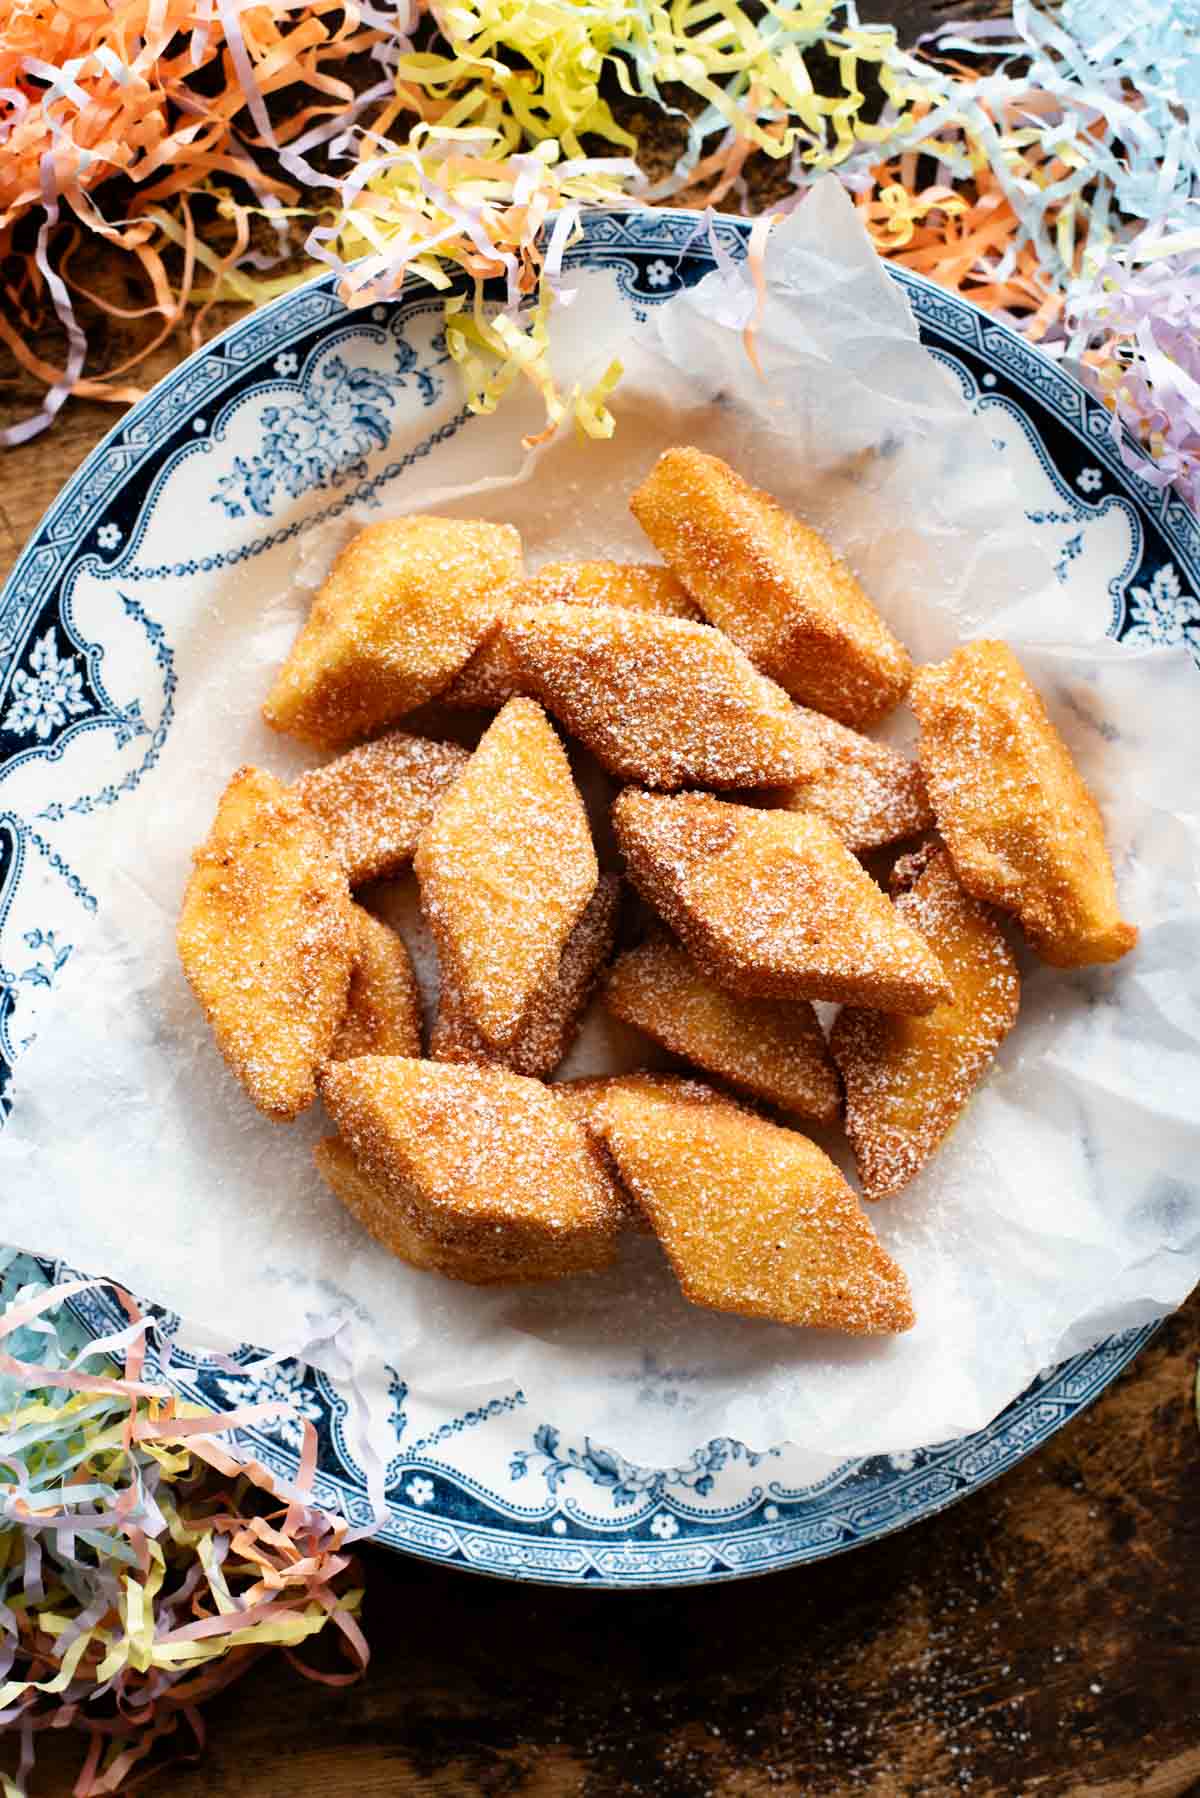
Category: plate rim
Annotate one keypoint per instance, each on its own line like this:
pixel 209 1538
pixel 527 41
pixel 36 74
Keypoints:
pixel 696 244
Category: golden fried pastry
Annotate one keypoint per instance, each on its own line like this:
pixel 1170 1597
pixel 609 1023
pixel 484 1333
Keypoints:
pixel 405 605
pixel 1022 828
pixel 374 802
pixel 773 904
pixel 773 1048
pixel 908 1079
pixel 376 1209
pixel 658 700
pixel 554 1012
pixel 479 1160
pixel 383 1011
pixel 506 867
pixel 754 1219
pixel 584 1099
pixel 490 678
pixel 774 585
pixel 867 792
pixel 267 939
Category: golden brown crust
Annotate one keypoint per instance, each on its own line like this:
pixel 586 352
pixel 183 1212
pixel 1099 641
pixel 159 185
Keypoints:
pixel 754 1219
pixel 658 700
pixel 909 1079
pixel 373 803
pixel 405 605
pixel 478 1159
pixel 267 940
pixel 772 904
pixel 772 1048
pixel 491 677
pixel 773 585
pixel 1023 829
pixel 554 1014
pixel 584 1099
pixel 867 792
pixel 378 1212
pixel 383 1009
pixel 506 867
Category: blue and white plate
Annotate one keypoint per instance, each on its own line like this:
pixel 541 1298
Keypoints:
pixel 292 417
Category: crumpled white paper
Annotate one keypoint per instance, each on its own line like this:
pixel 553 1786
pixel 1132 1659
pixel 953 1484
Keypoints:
pixel 1065 1205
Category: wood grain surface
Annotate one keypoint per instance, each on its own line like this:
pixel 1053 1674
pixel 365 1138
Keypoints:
pixel 1042 1637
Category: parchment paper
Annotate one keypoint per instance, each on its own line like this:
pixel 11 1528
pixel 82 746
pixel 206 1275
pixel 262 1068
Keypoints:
pixel 1065 1205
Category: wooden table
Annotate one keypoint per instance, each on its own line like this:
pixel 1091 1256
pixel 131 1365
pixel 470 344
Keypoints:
pixel 1043 1637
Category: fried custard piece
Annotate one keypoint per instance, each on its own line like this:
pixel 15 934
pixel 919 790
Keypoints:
pixel 383 1011
pixel 754 1218
pixel 584 1101
pixel 478 1160
pixel 867 792
pixel 1021 826
pixel 506 867
pixel 405 605
pixel 554 1012
pixel 375 1208
pixel 490 677
pixel 658 700
pixel 772 904
pixel 772 1048
pixel 267 939
pixel 774 585
pixel 374 802
pixel 908 1079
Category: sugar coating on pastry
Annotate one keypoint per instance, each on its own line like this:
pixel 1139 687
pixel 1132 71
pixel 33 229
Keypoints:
pixel 491 677
pixel 662 701
pixel 773 1048
pixel 773 585
pixel 584 1098
pixel 554 1013
pixel 908 1079
pixel 867 792
pixel 478 1158
pixel 405 605
pixel 754 1219
pixel 1021 826
pixel 267 939
pixel 506 867
pixel 373 803
pixel 773 904
pixel 393 1226
pixel 383 1009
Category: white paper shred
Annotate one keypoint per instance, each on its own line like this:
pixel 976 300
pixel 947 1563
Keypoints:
pixel 1065 1205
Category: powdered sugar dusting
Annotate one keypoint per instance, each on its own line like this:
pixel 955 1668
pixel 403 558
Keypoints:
pixel 383 1008
pixel 755 1219
pixel 554 1014
pixel 1017 817
pixel 773 1048
pixel 658 700
pixel 774 585
pixel 471 1152
pixel 492 677
pixel 267 939
pixel 506 868
pixel 908 1079
pixel 373 803
pixel 772 904
pixel 867 792
pixel 405 605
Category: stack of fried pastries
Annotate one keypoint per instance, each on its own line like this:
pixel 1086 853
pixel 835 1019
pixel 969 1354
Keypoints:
pixel 721 696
